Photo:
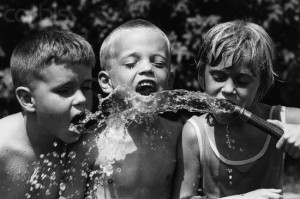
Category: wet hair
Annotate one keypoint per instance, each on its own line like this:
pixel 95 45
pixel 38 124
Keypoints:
pixel 241 40
pixel 107 51
pixel 43 48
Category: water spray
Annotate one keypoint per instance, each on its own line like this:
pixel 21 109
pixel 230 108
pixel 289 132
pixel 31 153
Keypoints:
pixel 125 104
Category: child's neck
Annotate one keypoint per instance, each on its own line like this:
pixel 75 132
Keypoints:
pixel 40 140
pixel 240 139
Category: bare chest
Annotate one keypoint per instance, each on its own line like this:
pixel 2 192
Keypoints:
pixel 25 176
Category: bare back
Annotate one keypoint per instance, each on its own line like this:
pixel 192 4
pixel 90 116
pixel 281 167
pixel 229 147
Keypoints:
pixel 139 163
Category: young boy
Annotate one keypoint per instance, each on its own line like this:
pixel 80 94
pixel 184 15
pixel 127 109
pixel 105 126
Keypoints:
pixel 51 72
pixel 221 156
pixel 138 161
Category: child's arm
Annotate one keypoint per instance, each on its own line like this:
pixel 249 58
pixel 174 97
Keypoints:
pixel 78 164
pixel 290 140
pixel 188 171
pixel 188 166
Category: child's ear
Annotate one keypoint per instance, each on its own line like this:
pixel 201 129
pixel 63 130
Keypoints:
pixel 105 82
pixel 171 80
pixel 25 98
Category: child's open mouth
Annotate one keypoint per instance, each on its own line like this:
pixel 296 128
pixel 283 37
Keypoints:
pixel 146 87
pixel 82 121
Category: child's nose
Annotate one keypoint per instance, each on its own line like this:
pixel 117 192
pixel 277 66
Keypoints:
pixel 79 98
pixel 145 67
pixel 229 86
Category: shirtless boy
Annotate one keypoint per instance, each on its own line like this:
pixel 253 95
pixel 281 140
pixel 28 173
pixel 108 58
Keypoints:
pixel 51 73
pixel 138 161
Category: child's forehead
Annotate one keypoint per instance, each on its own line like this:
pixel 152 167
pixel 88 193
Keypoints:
pixel 62 68
pixel 138 34
pixel 232 63
pixel 139 40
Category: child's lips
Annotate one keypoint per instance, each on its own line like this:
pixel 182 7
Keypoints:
pixel 77 117
pixel 225 116
pixel 82 121
pixel 75 125
pixel 146 87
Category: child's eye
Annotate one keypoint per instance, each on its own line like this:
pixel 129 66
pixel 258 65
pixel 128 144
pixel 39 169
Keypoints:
pixel 129 65
pixel 159 64
pixel 244 80
pixel 219 77
pixel 64 91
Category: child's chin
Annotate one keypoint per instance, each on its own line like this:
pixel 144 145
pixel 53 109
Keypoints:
pixel 224 118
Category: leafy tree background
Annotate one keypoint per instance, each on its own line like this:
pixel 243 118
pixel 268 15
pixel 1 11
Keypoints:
pixel 184 21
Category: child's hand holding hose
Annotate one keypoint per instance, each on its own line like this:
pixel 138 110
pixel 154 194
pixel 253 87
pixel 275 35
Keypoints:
pixel 290 140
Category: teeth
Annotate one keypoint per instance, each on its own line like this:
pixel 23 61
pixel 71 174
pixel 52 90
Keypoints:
pixel 146 87
pixel 146 84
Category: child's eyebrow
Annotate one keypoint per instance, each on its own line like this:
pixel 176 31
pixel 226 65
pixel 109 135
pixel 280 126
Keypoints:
pixel 132 54
pixel 70 82
pixel 62 84
pixel 159 55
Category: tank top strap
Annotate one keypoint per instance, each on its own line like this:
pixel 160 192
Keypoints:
pixel 277 113
pixel 195 121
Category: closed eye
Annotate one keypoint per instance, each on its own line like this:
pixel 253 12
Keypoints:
pixel 65 90
pixel 160 64
pixel 129 64
pixel 219 76
pixel 244 80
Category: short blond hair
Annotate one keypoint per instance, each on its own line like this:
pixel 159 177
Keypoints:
pixel 240 39
pixel 107 51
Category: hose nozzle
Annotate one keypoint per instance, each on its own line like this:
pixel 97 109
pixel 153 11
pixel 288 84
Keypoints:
pixel 257 121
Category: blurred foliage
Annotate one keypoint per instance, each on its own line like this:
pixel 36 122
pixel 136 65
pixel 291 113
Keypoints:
pixel 184 21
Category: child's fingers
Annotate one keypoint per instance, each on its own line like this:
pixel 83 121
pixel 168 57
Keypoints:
pixel 277 123
pixel 279 191
pixel 273 193
pixel 280 143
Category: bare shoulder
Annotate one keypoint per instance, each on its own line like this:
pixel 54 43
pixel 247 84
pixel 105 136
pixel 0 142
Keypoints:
pixel 10 121
pixel 10 128
pixel 292 115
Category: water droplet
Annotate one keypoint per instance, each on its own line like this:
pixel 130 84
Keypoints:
pixel 63 155
pixel 72 155
pixel 37 185
pixel 229 170
pixel 55 144
pixel 62 186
